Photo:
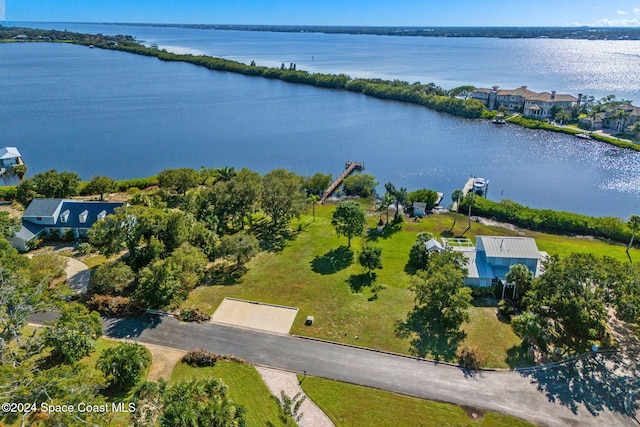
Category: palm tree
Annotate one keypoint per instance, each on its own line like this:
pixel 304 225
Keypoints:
pixel 562 116
pixel 313 199
pixel 635 130
pixel 470 198
pixel 621 115
pixel 456 196
pixel 593 114
pixel 634 224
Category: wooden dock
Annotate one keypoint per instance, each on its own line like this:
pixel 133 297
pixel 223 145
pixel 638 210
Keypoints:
pixel 349 167
pixel 465 190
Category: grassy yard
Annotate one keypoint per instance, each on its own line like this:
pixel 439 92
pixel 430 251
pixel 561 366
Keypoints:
pixel 245 388
pixel 317 273
pixel 353 406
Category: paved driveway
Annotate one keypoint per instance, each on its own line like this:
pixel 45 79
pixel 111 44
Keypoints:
pixel 78 275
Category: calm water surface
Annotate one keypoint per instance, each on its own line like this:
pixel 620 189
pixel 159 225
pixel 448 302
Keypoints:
pixel 104 112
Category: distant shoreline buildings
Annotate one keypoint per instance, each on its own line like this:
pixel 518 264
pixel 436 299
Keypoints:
pixel 543 105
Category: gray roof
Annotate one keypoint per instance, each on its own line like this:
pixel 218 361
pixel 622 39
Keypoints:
pixel 509 247
pixel 9 153
pixel 42 207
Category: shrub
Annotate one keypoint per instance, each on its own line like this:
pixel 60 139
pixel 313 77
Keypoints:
pixel 202 358
pixel 192 315
pixel 84 248
pixel 506 309
pixel 124 364
pixel 470 357
pixel 114 306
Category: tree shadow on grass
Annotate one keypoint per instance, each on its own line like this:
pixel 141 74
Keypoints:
pixel 357 282
pixel 517 356
pixel 597 382
pixel 225 274
pixel 428 337
pixel 333 261
pixel 273 238
pixel 389 230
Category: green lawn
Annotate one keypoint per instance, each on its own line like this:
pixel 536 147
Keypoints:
pixel 316 273
pixel 352 406
pixel 245 388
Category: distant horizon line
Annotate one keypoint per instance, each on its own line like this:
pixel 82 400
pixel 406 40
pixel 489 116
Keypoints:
pixel 331 25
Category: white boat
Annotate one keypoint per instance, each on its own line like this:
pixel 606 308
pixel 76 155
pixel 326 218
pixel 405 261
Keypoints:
pixel 478 184
pixel 583 136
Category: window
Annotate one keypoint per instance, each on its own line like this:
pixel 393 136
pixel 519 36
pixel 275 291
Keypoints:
pixel 64 216
pixel 102 214
pixel 83 216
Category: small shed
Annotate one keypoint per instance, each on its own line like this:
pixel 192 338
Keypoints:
pixel 419 209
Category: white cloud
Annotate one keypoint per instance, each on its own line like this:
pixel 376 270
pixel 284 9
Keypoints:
pixel 636 10
pixel 621 12
pixel 617 23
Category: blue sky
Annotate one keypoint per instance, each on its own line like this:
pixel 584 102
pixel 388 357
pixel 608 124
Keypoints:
pixel 332 12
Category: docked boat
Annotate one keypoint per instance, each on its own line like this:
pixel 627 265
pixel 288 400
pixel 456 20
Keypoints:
pixel 583 136
pixel 499 121
pixel 479 184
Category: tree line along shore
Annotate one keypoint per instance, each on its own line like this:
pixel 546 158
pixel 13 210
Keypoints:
pixel 429 95
pixel 67 184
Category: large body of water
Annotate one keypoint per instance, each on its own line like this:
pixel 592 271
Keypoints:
pixel 104 112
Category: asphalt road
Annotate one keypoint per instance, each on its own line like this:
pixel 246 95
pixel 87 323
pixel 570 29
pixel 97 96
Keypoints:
pixel 574 396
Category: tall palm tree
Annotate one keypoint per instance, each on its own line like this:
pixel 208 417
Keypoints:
pixel 470 198
pixel 562 116
pixel 634 224
pixel 635 130
pixel 456 196
pixel 621 115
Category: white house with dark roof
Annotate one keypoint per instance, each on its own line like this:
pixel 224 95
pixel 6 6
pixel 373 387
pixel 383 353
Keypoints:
pixel 492 257
pixel 46 216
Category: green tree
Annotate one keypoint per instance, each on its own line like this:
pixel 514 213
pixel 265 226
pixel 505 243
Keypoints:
pixel 240 246
pixel 48 184
pixel 47 266
pixel 568 302
pixel 179 180
pixel 521 277
pixel 8 226
pixel 360 184
pixel 470 200
pixel 317 184
pixel 370 257
pixel 635 129
pixel 313 199
pixel 456 196
pixel 424 195
pixel 200 402
pixel 634 224
pixel 124 365
pixel 282 195
pixel 159 286
pixel 562 116
pixel 100 185
pixel 72 335
pixel 110 279
pixel 440 292
pixel 419 255
pixel 234 199
pixel 349 220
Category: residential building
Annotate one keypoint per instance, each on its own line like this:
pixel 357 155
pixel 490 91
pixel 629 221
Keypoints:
pixel 9 156
pixel 524 100
pixel 490 259
pixel 61 216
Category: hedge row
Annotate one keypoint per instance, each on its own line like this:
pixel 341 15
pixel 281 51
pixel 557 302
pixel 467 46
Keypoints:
pixel 558 222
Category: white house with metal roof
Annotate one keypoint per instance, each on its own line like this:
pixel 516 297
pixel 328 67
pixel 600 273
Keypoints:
pixel 46 216
pixel 492 256
pixel 9 156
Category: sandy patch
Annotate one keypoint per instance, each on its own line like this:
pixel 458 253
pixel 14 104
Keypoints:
pixel 255 315
pixel 164 359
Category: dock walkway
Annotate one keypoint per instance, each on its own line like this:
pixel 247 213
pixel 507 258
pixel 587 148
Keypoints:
pixel 349 167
